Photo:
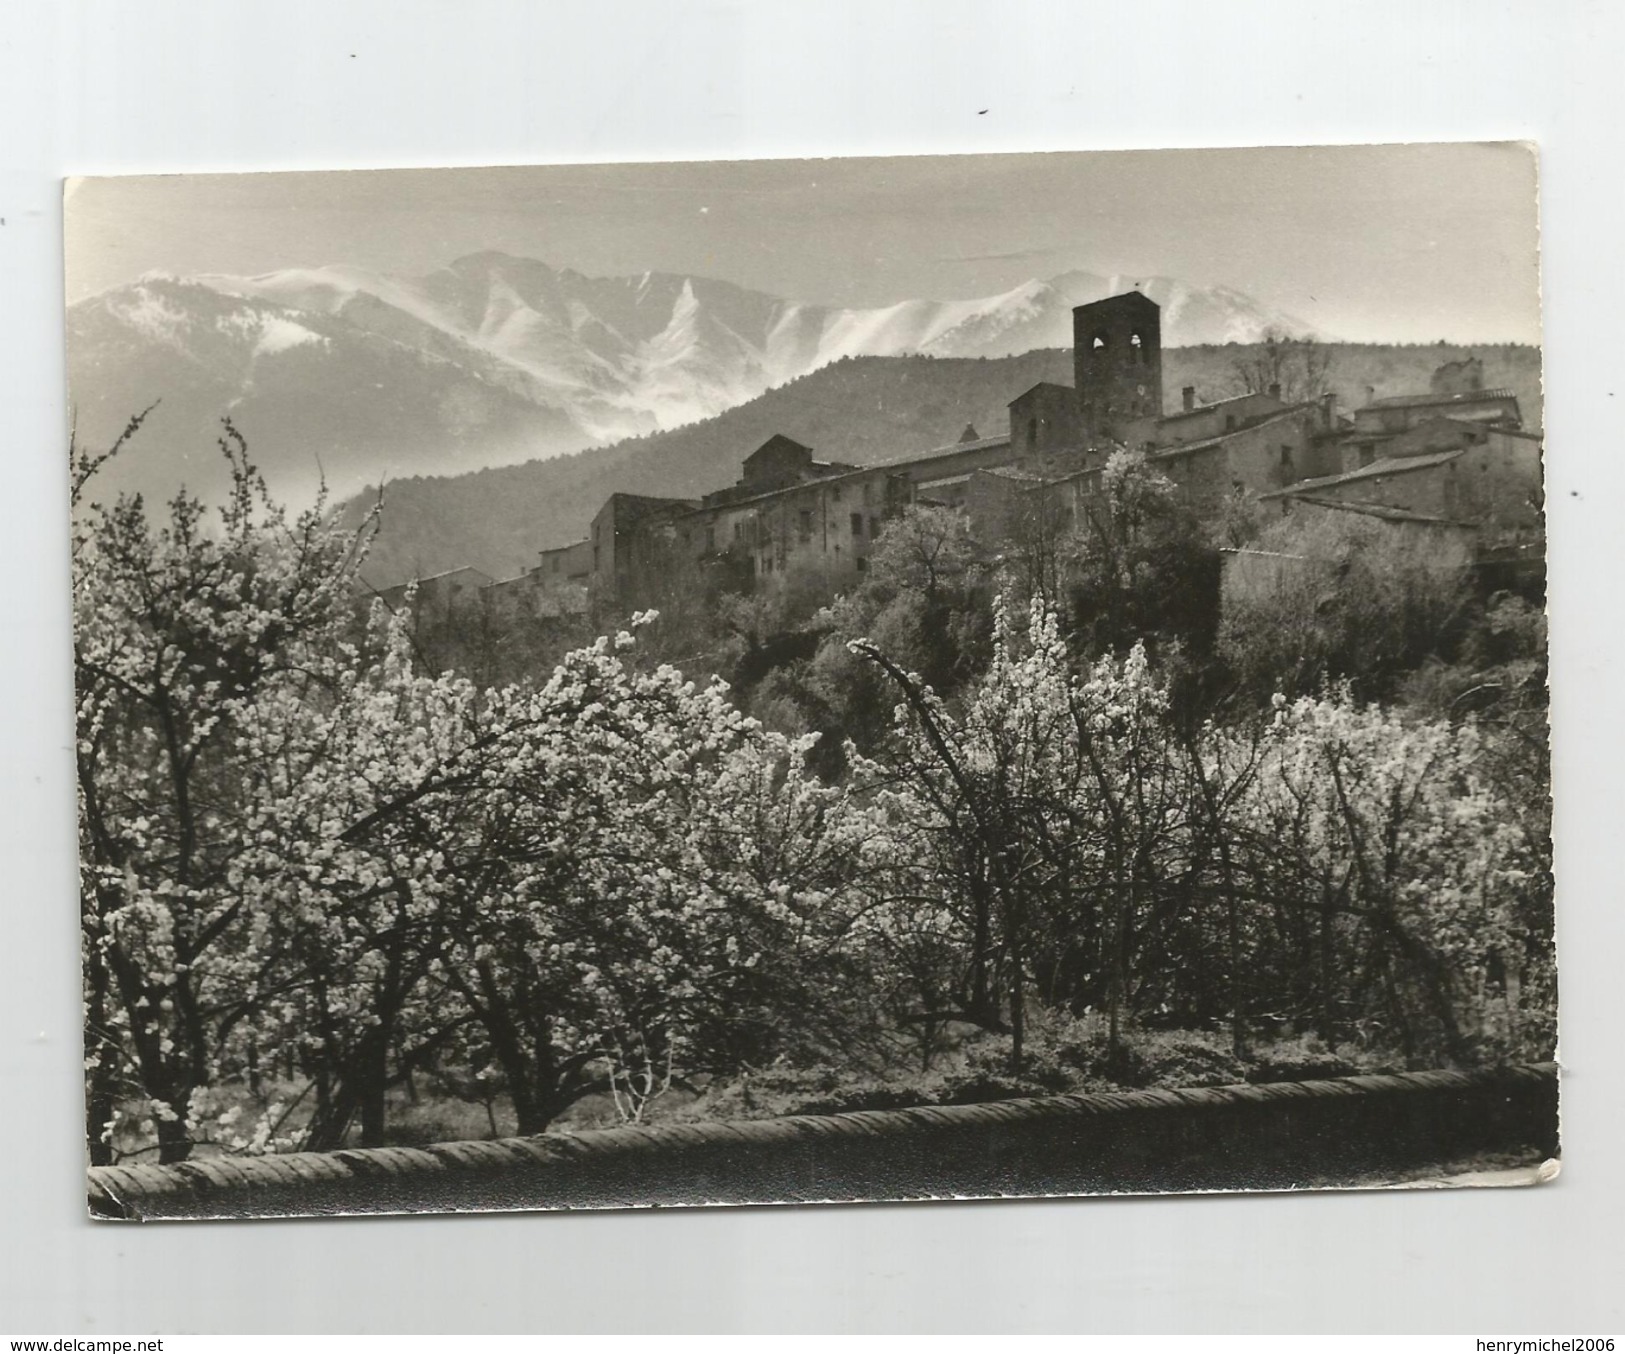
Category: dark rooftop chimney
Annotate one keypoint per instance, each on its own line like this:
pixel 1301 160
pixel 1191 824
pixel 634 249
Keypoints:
pixel 970 434
pixel 1189 392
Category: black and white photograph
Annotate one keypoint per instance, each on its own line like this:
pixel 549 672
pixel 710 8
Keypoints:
pixel 810 681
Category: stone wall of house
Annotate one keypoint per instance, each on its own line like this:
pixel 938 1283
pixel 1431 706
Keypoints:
pixel 1256 460
pixel 1494 482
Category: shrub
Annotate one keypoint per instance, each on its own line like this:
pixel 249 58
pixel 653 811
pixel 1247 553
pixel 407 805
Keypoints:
pixel 1307 1059
pixel 1168 1059
pixel 980 1087
pixel 779 1091
pixel 1061 1053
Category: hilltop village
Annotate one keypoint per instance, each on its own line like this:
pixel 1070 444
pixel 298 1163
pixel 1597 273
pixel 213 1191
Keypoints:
pixel 1452 467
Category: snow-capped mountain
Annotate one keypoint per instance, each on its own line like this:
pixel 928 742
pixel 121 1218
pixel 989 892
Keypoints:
pixel 356 376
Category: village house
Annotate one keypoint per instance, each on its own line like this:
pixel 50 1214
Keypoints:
pixel 1482 476
pixel 434 598
pixel 1451 475
pixel 792 519
pixel 1249 573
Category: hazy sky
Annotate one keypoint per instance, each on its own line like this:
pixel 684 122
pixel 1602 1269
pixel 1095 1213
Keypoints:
pixel 1411 243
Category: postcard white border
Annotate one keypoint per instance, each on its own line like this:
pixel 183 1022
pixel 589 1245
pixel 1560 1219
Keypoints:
pixel 192 85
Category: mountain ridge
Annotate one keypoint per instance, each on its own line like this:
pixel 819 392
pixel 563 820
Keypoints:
pixel 353 375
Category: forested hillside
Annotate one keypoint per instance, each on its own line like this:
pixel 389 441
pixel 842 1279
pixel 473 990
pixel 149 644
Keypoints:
pixel 859 409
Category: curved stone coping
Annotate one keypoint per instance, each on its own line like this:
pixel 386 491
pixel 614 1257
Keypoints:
pixel 229 1184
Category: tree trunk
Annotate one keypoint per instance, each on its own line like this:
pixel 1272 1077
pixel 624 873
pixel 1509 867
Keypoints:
pixel 981 941
pixel 1328 973
pixel 373 1078
pixel 102 1054
pixel 99 1106
pixel 530 1076
pixel 162 1078
pixel 530 1113
pixel 335 1108
pixel 1232 922
pixel 1117 983
pixel 1018 1013
pixel 174 1142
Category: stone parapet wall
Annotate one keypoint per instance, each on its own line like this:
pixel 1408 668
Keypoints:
pixel 1279 1136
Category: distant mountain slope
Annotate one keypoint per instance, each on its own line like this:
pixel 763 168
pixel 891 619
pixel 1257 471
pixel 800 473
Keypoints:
pixel 357 376
pixel 860 409
pixel 315 395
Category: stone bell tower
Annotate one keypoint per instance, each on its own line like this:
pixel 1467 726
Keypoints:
pixel 1117 364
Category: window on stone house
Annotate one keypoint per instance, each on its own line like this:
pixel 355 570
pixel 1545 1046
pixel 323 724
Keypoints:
pixel 857 525
pixel 805 524
pixel 863 565
pixel 710 539
pixel 1032 432
pixel 874 525
pixel 1229 423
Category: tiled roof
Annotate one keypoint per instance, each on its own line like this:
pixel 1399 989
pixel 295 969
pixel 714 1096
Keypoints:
pixel 1207 442
pixel 1396 465
pixel 1217 404
pixel 1528 434
pixel 1010 473
pixel 444 573
pixel 1422 401
pixel 890 463
pixel 1053 385
pixel 1382 510
pixel 981 444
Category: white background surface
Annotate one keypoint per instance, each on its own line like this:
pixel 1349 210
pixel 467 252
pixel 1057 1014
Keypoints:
pixel 163 85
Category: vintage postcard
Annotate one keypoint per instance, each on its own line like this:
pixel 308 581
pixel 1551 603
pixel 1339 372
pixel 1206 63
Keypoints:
pixel 797 681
